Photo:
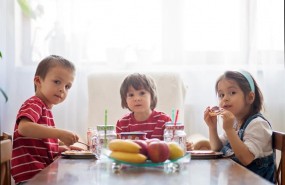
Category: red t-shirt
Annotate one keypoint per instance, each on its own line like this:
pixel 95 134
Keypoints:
pixel 31 155
pixel 154 126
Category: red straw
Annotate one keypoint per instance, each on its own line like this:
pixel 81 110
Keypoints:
pixel 176 117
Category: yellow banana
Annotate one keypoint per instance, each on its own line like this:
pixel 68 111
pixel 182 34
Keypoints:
pixel 128 157
pixel 124 146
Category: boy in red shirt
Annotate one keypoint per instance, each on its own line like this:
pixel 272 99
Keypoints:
pixel 35 139
pixel 138 94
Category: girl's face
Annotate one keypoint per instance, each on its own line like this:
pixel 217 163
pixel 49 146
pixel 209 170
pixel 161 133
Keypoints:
pixel 138 101
pixel 54 88
pixel 232 98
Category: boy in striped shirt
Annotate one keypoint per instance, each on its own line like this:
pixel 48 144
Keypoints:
pixel 138 94
pixel 36 139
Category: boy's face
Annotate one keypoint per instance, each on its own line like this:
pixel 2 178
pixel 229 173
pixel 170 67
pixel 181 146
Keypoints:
pixel 138 101
pixel 54 88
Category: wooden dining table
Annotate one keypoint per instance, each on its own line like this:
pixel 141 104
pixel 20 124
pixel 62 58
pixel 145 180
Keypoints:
pixel 100 172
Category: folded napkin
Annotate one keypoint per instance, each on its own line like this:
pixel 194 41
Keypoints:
pixel 200 142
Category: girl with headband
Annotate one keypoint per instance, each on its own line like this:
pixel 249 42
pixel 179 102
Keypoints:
pixel 247 135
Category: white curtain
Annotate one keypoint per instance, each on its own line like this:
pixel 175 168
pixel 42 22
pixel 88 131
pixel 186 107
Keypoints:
pixel 199 39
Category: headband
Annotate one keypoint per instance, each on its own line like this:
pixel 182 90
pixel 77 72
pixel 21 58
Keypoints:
pixel 249 79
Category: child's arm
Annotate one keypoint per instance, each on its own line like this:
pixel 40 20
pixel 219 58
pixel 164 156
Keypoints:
pixel 239 148
pixel 215 141
pixel 30 129
pixel 211 121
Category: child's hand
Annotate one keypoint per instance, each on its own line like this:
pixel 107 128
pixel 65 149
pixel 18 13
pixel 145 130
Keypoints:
pixel 67 137
pixel 228 120
pixel 189 146
pixel 73 147
pixel 211 121
pixel 64 148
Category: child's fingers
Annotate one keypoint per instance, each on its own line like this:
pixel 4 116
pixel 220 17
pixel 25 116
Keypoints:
pixel 189 145
pixel 72 147
pixel 76 137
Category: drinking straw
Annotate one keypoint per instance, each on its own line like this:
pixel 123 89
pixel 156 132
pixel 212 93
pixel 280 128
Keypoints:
pixel 176 117
pixel 105 123
pixel 172 115
pixel 106 116
pixel 175 122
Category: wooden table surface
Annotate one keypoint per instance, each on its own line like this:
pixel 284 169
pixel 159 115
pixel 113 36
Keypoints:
pixel 100 172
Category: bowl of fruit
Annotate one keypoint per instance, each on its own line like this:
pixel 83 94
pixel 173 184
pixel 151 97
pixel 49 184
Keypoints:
pixel 146 153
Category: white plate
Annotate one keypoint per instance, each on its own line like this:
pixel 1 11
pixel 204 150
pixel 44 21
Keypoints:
pixel 78 155
pixel 205 154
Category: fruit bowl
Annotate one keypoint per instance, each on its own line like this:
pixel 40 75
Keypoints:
pixel 117 163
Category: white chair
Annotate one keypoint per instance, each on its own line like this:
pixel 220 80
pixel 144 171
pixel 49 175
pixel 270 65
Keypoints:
pixel 279 144
pixel 104 93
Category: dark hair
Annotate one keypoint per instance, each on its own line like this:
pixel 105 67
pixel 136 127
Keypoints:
pixel 138 81
pixel 244 85
pixel 52 61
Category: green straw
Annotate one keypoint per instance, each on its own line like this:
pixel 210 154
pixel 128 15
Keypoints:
pixel 105 123
pixel 175 122
pixel 172 115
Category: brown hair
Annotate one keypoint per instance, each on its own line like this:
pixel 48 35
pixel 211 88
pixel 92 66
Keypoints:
pixel 138 81
pixel 244 85
pixel 52 61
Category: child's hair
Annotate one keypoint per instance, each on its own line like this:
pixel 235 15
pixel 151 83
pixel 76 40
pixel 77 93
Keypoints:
pixel 52 61
pixel 244 84
pixel 138 81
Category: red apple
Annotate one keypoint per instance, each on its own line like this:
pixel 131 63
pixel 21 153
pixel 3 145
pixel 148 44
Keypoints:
pixel 148 141
pixel 158 151
pixel 143 145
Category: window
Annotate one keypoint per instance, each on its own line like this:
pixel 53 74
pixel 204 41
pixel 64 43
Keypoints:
pixel 156 32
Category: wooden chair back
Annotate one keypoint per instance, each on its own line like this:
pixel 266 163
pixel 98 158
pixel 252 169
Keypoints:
pixel 279 144
pixel 6 154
